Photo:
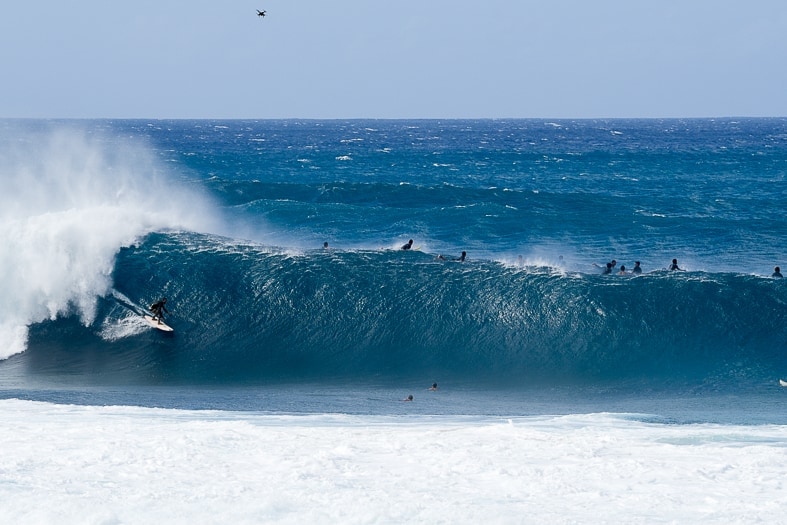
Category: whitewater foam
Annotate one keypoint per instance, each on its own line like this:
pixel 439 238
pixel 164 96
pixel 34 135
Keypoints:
pixel 70 464
pixel 116 329
pixel 70 203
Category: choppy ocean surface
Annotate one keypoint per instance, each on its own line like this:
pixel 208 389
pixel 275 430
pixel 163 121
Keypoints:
pixel 530 343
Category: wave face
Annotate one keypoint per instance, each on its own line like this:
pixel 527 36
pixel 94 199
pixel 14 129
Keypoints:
pixel 227 219
pixel 243 313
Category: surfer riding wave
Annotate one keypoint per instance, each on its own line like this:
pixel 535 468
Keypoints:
pixel 158 308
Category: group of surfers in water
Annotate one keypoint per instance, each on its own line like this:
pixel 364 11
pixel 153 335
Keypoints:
pixel 610 268
pixel 431 389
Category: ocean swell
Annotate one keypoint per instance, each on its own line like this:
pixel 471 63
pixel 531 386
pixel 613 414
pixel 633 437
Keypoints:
pixel 246 312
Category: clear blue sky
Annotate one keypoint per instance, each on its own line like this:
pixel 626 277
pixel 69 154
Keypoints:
pixel 393 59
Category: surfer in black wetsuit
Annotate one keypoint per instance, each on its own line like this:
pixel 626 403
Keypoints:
pixel 637 268
pixel 408 245
pixel 777 273
pixel 674 265
pixel 608 267
pixel 158 308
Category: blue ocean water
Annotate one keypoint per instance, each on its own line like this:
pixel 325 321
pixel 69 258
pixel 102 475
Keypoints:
pixel 266 318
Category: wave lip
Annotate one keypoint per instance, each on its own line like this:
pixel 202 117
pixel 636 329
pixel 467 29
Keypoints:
pixel 70 204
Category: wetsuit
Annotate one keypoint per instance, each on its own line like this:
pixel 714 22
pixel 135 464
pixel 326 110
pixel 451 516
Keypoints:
pixel 157 309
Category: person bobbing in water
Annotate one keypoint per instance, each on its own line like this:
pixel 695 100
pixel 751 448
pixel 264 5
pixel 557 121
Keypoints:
pixel 158 308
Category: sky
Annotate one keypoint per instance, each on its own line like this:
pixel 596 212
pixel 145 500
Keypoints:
pixel 394 59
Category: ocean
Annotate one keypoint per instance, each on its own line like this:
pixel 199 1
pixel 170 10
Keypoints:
pixel 564 394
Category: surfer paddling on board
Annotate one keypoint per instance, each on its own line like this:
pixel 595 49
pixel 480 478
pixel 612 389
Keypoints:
pixel 461 258
pixel 674 266
pixel 158 308
pixel 408 245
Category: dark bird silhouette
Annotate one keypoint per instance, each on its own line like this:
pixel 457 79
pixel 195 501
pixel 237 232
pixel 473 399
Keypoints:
pixel 260 13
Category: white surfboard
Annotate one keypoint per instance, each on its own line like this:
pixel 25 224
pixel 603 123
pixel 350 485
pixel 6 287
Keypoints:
pixel 160 325
pixel 782 382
